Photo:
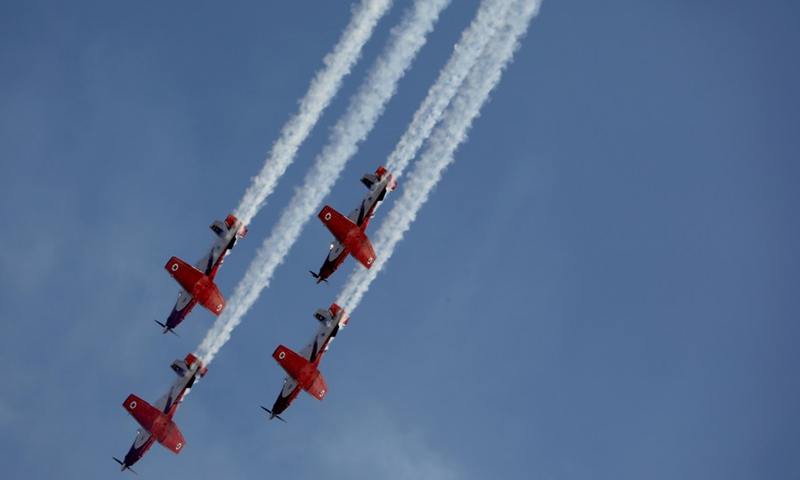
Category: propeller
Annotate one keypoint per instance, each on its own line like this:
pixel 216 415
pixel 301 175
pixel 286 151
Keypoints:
pixel 167 329
pixel 319 279
pixel 124 467
pixel 272 415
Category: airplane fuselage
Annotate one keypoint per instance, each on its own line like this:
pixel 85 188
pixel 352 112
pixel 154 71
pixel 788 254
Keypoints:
pixel 141 444
pixel 168 405
pixel 378 185
pixel 331 323
pixel 208 265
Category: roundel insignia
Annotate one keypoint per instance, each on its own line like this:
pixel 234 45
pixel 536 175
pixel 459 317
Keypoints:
pixel 174 267
pixel 321 393
pixel 282 355
pixel 219 307
pixel 327 216
pixel 369 261
pixel 178 446
pixel 132 405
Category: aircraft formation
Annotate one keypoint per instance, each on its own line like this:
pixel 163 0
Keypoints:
pixel 198 286
pixel 484 50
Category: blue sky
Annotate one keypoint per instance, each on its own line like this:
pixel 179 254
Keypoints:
pixel 604 284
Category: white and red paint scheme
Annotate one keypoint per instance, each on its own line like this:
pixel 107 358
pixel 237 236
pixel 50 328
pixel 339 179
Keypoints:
pixel 302 369
pixel 156 420
pixel 198 280
pixel 348 232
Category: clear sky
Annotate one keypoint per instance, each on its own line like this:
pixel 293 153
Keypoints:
pixel 604 284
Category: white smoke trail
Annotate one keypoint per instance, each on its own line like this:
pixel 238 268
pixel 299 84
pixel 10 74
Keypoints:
pixel 489 18
pixel 365 107
pixel 482 79
pixel 321 92
pixel 491 14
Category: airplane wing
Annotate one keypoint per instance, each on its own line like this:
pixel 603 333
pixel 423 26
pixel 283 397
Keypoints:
pixel 339 225
pixel 200 286
pixel 212 300
pixel 186 275
pixel 302 371
pixel 361 250
pixel 172 440
pixel 144 413
pixel 156 422
pixel 348 233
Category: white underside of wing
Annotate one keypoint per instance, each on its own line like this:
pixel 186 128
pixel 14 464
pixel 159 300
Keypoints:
pixel 183 299
pixel 141 437
pixel 336 249
pixel 289 385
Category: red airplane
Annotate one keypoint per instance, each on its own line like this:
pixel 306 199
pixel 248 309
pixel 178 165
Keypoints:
pixel 302 368
pixel 156 421
pixel 198 281
pixel 348 232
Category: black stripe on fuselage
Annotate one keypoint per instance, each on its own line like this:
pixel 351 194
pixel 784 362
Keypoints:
pixel 361 213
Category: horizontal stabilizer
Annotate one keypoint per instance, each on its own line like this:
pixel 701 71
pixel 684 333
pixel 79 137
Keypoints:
pixel 304 372
pixel 156 422
pixel 219 228
pixel 322 315
pixel 369 180
pixel 199 286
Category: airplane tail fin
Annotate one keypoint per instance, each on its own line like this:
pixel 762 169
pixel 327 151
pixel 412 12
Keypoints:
pixel 272 415
pixel 156 422
pixel 334 313
pixel 369 179
pixel 199 286
pixel 191 364
pixel 232 222
pixel 124 466
pixel 304 372
pixel 345 231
